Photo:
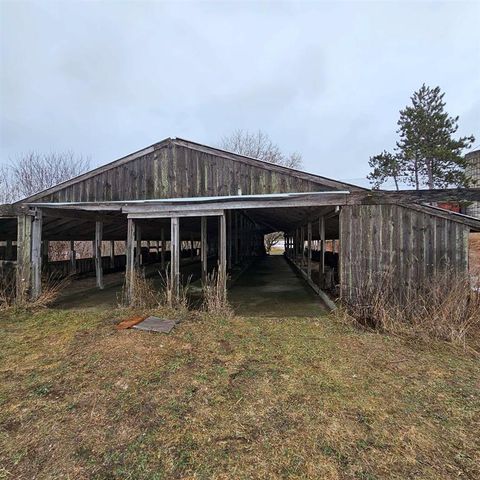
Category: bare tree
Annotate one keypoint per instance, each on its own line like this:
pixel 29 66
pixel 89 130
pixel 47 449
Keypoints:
pixel 33 172
pixel 271 239
pixel 259 145
pixel 7 191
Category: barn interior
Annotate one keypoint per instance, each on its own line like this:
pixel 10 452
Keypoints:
pixel 70 235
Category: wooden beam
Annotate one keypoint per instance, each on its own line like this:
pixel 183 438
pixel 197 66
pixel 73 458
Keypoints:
pixel 222 254
pixel 73 258
pixel 130 260
pixel 237 238
pixel 138 249
pixel 8 250
pixel 322 255
pixel 45 249
pixel 204 248
pixel 309 250
pixel 98 253
pixel 175 255
pixel 112 254
pixel 13 210
pixel 164 246
pixel 147 211
pixel 24 257
pixel 230 239
pixel 378 197
pixel 37 255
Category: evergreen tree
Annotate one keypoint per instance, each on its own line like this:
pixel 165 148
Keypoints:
pixel 426 153
pixel 385 166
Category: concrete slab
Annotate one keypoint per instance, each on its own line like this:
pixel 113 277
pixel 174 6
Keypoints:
pixel 156 324
pixel 271 288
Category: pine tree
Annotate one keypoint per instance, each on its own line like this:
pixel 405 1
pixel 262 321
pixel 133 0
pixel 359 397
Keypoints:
pixel 426 153
pixel 385 166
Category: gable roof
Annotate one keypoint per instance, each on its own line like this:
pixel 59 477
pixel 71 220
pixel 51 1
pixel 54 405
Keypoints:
pixel 200 148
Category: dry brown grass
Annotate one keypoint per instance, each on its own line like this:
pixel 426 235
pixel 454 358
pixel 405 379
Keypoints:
pixel 143 293
pixel 52 287
pixel 174 300
pixel 447 307
pixel 7 289
pixel 215 296
pixel 248 398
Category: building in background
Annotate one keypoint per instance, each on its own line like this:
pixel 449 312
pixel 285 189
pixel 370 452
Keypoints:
pixel 473 170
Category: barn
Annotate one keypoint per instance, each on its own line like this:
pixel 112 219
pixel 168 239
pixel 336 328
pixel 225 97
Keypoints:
pixel 177 199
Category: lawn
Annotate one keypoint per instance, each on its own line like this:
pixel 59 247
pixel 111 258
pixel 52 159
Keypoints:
pixel 244 398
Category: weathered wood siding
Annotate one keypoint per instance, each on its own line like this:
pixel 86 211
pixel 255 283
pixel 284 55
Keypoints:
pixel 378 240
pixel 174 171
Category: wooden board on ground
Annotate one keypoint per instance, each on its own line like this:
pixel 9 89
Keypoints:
pixel 130 322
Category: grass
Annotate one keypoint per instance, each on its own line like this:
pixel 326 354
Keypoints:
pixel 244 398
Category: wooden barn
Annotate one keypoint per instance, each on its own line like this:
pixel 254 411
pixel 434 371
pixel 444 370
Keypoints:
pixel 178 201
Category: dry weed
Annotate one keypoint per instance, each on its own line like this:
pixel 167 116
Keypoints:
pixel 446 307
pixel 171 299
pixel 143 293
pixel 215 295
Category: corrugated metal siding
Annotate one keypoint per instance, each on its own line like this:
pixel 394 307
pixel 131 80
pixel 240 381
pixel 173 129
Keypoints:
pixel 378 240
pixel 172 172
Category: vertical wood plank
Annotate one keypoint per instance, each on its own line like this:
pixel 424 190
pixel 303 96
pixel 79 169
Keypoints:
pixel 24 257
pixel 130 260
pixel 222 260
pixel 37 255
pixel 112 254
pixel 138 249
pixel 204 248
pixel 164 246
pixel 175 255
pixel 73 258
pixel 98 253
pixel 309 250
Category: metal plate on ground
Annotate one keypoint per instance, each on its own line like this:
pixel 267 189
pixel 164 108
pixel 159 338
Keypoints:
pixel 156 324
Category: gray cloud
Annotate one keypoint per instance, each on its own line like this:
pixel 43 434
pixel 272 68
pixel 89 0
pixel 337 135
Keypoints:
pixel 324 79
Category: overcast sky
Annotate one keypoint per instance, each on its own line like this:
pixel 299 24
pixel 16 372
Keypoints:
pixel 104 79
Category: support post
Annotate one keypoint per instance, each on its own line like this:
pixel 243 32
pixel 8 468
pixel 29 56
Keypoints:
pixel 204 248
pixel 237 237
pixel 24 257
pixel 191 247
pixel 8 250
pixel 130 260
pixel 138 251
pixel 302 241
pixel 73 259
pixel 229 239
pixel 309 250
pixel 112 254
pixel 37 255
pixel 98 253
pixel 175 255
pixel 164 246
pixel 45 248
pixel 322 254
pixel 222 250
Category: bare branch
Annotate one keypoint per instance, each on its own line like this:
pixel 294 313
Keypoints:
pixel 33 172
pixel 259 145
